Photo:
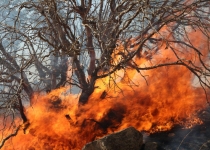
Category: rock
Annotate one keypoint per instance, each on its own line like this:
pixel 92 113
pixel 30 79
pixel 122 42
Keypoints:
pixel 128 139
pixel 151 146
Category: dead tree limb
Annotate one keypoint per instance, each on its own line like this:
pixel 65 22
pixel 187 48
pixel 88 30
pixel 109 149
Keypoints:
pixel 9 136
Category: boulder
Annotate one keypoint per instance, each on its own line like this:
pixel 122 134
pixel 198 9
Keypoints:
pixel 151 146
pixel 127 139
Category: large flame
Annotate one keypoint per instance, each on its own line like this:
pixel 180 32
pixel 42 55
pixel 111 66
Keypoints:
pixel 160 99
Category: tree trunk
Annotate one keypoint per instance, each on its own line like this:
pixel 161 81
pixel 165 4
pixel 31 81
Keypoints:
pixel 87 91
pixel 83 99
pixel 21 109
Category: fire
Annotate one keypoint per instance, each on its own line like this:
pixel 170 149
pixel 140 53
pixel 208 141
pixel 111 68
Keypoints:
pixel 156 102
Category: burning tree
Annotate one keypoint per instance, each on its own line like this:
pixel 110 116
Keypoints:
pixel 91 44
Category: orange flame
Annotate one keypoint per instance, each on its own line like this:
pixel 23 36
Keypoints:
pixel 165 99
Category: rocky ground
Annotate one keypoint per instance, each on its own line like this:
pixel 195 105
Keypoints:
pixel 196 138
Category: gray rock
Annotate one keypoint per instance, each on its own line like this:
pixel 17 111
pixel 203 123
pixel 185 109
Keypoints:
pixel 128 139
pixel 151 146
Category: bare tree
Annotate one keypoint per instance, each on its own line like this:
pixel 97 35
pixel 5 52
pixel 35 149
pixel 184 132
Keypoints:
pixel 42 39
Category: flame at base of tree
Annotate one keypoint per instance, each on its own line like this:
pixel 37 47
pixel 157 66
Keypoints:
pixel 56 122
pixel 162 98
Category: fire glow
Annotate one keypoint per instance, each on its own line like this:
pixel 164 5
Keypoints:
pixel 165 99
